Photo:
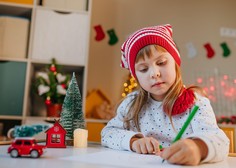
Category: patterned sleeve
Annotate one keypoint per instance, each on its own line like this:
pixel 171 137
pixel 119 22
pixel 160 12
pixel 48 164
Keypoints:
pixel 114 135
pixel 205 127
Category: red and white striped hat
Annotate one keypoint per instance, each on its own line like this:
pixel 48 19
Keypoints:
pixel 160 35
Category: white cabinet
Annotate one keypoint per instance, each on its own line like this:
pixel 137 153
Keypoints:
pixel 67 32
pixel 66 4
pixel 53 33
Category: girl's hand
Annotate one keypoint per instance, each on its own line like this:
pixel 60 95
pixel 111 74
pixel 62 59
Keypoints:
pixel 146 145
pixel 186 152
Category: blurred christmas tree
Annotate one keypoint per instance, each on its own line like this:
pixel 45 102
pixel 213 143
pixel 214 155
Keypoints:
pixel 129 86
pixel 51 83
pixel 72 116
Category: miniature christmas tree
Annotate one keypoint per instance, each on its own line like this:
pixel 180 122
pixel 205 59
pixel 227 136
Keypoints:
pixel 72 116
pixel 27 130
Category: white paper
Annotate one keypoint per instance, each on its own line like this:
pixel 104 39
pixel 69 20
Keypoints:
pixel 121 159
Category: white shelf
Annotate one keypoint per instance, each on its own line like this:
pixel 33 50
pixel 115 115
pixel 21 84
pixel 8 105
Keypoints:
pixel 7 117
pixel 15 9
pixel 35 61
pixel 14 59
pixel 36 119
pixel 33 65
pixel 62 10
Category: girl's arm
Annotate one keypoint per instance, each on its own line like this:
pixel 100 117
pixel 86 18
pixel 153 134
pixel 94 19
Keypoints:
pixel 114 135
pixel 207 143
pixel 205 128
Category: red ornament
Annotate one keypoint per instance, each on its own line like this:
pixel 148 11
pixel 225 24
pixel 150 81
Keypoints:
pixel 48 101
pixel 53 68
pixel 184 101
pixel 63 85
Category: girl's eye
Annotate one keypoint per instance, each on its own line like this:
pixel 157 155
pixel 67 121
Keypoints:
pixel 143 69
pixel 163 62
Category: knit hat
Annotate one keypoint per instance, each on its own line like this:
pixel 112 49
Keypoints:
pixel 160 35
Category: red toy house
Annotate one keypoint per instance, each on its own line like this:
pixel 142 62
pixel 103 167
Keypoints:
pixel 56 136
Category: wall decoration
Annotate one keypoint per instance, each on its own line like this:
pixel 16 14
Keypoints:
pixel 226 50
pixel 192 52
pixel 228 32
pixel 210 51
pixel 221 90
pixel 113 37
pixel 100 35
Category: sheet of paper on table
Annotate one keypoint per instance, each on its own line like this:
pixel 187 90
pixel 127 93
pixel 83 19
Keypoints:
pixel 120 159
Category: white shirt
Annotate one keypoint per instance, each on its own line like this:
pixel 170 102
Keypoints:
pixel 155 123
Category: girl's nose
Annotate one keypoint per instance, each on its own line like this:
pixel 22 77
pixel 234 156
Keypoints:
pixel 155 73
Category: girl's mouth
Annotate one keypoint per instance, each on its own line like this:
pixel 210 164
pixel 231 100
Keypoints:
pixel 157 84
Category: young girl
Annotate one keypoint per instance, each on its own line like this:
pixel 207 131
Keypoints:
pixel 154 114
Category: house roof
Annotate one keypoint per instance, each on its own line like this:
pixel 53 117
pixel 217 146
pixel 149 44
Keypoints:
pixel 57 127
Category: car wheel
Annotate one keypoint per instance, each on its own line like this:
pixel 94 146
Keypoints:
pixel 14 153
pixel 34 154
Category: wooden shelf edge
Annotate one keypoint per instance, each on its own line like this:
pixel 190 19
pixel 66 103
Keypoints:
pixel 85 12
pixel 232 155
pixel 93 120
pixel 13 59
pixel 7 117
pixel 50 119
pixel 20 5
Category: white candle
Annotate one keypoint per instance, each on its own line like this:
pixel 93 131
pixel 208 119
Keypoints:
pixel 80 138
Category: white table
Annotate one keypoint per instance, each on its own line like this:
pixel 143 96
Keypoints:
pixel 94 156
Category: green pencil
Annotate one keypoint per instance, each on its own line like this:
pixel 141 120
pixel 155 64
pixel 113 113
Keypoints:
pixel 186 124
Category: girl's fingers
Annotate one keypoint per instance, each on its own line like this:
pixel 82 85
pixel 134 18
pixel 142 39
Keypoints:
pixel 155 145
pixel 182 152
pixel 143 148
pixel 168 152
pixel 147 145
pixel 136 147
pixel 177 158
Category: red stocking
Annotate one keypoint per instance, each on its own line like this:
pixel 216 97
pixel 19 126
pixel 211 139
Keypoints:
pixel 100 33
pixel 210 51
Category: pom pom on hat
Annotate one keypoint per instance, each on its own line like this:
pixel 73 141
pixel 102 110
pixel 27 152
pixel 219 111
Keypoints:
pixel 159 35
pixel 183 102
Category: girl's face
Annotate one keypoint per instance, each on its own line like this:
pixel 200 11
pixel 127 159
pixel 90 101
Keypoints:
pixel 156 73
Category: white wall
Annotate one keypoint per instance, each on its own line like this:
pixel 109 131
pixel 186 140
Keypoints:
pixel 196 21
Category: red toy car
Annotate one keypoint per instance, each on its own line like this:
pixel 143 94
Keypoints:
pixel 25 146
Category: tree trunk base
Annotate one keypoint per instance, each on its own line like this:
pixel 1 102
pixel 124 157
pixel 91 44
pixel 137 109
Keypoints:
pixel 69 142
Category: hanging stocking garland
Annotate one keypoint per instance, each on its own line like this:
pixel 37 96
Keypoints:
pixel 192 52
pixel 113 38
pixel 100 33
pixel 226 50
pixel 210 51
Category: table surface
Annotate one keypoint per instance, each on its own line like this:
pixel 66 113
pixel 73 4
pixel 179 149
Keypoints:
pixel 94 156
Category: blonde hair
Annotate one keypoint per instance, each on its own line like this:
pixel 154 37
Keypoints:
pixel 141 98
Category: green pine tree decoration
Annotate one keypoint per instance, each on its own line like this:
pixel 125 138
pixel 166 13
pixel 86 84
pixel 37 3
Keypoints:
pixel 72 116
